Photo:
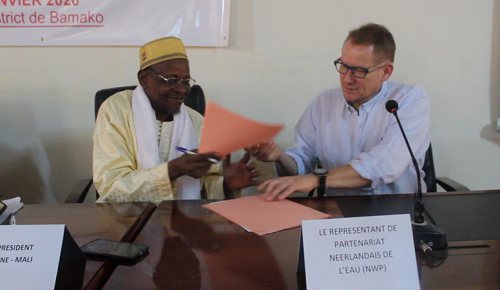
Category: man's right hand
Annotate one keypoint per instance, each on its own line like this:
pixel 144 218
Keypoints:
pixel 195 166
pixel 266 151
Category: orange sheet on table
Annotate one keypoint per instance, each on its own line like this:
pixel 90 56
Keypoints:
pixel 263 217
pixel 225 131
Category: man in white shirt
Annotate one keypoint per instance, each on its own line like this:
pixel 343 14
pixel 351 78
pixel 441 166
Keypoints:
pixel 350 133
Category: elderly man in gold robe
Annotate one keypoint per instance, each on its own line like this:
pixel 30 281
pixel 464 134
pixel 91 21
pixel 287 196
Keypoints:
pixel 137 133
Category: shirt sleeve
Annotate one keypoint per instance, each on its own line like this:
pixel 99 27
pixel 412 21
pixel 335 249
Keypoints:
pixel 386 162
pixel 304 151
pixel 214 182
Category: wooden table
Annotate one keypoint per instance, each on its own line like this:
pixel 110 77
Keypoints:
pixel 192 248
pixel 86 222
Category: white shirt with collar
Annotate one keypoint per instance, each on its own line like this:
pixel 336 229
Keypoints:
pixel 333 132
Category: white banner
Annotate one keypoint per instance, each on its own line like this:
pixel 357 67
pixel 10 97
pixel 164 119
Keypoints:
pixel 113 22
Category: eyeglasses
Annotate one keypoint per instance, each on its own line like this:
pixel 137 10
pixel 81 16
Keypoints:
pixel 174 81
pixel 357 71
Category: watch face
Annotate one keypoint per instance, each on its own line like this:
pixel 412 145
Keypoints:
pixel 320 171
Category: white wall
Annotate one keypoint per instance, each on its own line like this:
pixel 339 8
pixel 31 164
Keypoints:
pixel 280 55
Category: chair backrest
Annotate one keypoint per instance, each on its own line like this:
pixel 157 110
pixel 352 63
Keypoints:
pixel 195 99
pixel 103 94
pixel 430 172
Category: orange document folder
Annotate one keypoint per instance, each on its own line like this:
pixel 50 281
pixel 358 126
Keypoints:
pixel 225 131
pixel 263 217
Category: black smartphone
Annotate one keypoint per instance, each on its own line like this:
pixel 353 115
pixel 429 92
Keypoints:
pixel 120 252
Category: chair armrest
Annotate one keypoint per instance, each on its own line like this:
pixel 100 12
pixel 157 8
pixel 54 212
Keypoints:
pixel 79 191
pixel 449 184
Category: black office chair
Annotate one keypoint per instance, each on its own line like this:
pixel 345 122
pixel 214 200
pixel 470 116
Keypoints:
pixel 432 181
pixel 194 100
pixel 430 178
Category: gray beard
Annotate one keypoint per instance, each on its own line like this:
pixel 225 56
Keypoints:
pixel 168 112
pixel 173 111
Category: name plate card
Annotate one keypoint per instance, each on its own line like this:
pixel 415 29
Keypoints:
pixel 374 252
pixel 29 256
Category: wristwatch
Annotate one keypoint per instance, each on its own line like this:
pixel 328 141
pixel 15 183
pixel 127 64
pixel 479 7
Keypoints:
pixel 321 173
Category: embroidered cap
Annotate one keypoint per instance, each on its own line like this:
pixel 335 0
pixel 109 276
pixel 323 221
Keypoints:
pixel 161 49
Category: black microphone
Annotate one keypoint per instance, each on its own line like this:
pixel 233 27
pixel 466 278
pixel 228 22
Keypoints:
pixel 426 236
pixel 392 107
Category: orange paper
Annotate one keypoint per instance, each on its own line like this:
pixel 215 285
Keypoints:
pixel 225 131
pixel 263 217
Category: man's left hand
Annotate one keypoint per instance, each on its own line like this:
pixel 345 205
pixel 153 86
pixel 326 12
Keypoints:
pixel 240 174
pixel 281 187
